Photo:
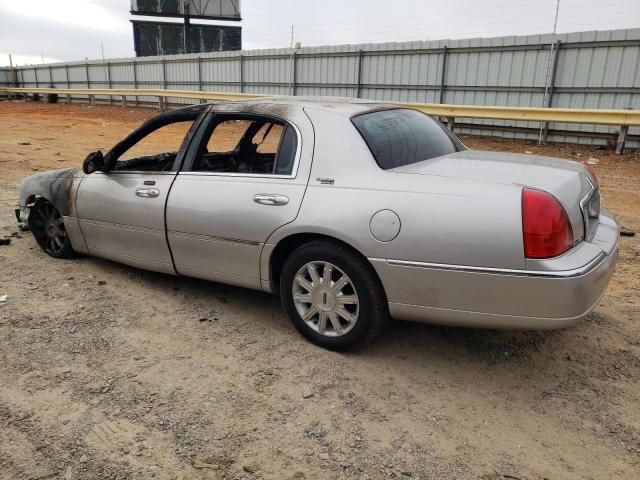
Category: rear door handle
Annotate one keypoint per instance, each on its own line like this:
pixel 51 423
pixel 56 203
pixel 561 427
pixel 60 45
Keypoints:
pixel 270 199
pixel 147 192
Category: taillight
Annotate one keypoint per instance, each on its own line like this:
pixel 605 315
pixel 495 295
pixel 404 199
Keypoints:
pixel 545 225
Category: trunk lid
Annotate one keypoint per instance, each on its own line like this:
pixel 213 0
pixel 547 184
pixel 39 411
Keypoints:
pixel 568 181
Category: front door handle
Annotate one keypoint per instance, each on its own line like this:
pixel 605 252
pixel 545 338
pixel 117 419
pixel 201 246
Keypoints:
pixel 147 192
pixel 270 199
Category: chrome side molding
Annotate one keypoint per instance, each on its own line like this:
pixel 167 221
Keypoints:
pixel 576 272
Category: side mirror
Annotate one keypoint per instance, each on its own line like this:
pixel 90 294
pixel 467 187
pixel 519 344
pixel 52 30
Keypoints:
pixel 93 162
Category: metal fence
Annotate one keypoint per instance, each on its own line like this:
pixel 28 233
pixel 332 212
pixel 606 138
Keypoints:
pixel 576 70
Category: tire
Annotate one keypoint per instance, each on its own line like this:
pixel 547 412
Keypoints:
pixel 48 229
pixel 358 304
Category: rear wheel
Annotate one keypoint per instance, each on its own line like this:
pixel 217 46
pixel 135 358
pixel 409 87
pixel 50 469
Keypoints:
pixel 48 229
pixel 332 295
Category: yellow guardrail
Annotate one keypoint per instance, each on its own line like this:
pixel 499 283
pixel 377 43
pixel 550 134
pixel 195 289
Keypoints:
pixel 558 115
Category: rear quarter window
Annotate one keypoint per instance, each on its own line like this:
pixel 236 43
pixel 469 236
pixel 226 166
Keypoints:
pixel 401 137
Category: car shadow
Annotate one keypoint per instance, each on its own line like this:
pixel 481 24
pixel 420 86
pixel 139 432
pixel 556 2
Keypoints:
pixel 418 341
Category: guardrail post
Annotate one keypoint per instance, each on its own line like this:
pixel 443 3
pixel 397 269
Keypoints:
pixel 135 79
pixel 451 121
pixel 360 57
pixel 443 75
pixel 161 103
pixel 552 84
pixel 66 76
pixel 622 138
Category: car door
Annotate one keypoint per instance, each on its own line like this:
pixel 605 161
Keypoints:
pixel 121 211
pixel 244 178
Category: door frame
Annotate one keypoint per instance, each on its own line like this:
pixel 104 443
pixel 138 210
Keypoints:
pixel 212 118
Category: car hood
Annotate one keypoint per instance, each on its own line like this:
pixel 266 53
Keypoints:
pixel 568 181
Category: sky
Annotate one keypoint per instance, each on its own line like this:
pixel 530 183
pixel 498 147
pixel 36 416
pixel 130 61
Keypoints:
pixel 43 31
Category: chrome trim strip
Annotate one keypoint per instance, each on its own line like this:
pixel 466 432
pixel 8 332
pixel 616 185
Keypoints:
pixel 585 214
pixel 576 272
pixel 211 238
pixel 133 172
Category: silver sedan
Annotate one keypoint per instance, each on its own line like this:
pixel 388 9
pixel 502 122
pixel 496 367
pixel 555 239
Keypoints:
pixel 353 211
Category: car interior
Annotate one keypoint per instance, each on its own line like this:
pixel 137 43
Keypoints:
pixel 264 146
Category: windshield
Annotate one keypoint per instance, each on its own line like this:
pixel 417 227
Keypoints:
pixel 401 137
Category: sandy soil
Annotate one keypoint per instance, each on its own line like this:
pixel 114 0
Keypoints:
pixel 111 372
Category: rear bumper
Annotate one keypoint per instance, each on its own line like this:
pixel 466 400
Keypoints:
pixel 552 294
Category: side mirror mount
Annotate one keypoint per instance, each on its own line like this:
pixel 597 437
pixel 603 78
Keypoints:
pixel 94 162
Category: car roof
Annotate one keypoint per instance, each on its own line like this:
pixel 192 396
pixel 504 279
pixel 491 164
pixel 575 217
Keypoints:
pixel 342 105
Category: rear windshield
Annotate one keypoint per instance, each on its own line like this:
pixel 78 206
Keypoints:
pixel 401 137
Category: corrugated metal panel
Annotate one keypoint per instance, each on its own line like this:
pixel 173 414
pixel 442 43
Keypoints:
pixel 479 71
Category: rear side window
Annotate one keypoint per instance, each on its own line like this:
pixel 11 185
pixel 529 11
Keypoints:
pixel 252 145
pixel 401 137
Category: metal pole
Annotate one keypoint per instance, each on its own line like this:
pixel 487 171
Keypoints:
pixel 360 57
pixel 443 74
pixel 295 73
pixel 135 79
pixel 202 100
pixel 187 28
pixel 552 83
pixel 241 73
pixel 35 72
pixel 92 98
pixel 546 80
pixel 164 74
pixel 109 81
pixel 66 76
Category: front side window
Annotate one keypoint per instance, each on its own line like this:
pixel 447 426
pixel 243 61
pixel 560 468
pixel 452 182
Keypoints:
pixel 155 152
pixel 401 137
pixel 250 145
pixel 154 146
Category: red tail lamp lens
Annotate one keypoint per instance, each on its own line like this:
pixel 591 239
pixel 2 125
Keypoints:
pixel 545 226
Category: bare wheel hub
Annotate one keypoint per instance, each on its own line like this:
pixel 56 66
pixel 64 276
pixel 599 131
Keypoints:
pixel 325 298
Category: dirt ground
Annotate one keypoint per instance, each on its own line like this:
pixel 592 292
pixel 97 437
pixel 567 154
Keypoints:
pixel 109 372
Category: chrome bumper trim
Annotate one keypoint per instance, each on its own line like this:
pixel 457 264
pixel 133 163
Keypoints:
pixel 576 272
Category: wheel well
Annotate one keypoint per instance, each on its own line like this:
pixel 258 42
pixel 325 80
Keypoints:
pixel 287 245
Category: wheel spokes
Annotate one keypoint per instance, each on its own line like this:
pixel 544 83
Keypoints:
pixel 347 299
pixel 325 298
pixel 311 311
pixel 326 274
pixel 313 273
pixel 336 323
pixel 322 322
pixel 304 283
pixel 346 315
pixel 340 284
pixel 302 297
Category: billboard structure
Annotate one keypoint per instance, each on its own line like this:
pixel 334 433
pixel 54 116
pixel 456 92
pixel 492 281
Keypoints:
pixel 205 9
pixel 161 38
pixel 170 38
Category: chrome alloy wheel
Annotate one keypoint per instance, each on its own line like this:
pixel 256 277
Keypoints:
pixel 325 299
